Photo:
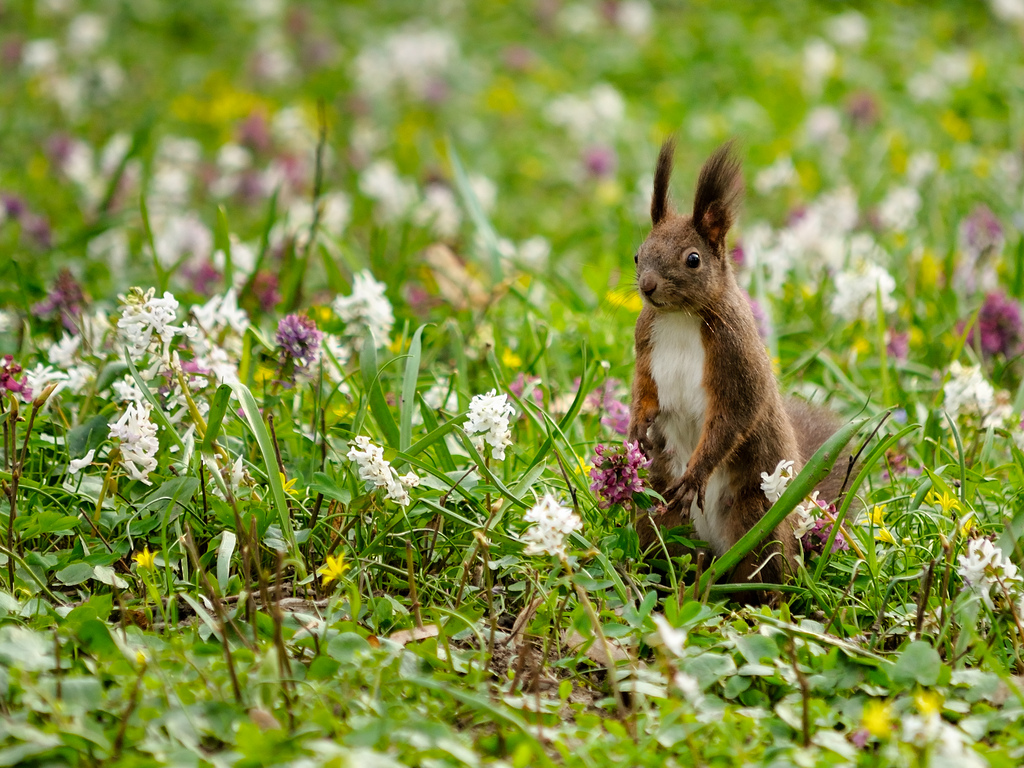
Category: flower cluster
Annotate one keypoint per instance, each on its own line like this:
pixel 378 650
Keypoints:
pixel 366 307
pixel 815 523
pixel 552 523
pixel 145 316
pixel 618 473
pixel 984 566
pixel 488 422
pixel 967 392
pixel 8 373
pixel 999 330
pixel 374 468
pixel 775 484
pixel 138 441
pixel 298 337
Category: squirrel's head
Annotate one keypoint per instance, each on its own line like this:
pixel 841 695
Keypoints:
pixel 683 265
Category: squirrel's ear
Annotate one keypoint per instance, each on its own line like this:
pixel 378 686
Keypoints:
pixel 719 188
pixel 663 172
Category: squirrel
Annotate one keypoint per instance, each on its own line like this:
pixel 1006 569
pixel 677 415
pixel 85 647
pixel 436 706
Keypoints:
pixel 706 406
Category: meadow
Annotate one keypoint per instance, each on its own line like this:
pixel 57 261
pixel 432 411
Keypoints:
pixel 316 335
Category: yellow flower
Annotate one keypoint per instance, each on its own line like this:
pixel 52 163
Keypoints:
pixel 289 485
pixel 945 501
pixel 967 525
pixel 929 702
pixel 332 570
pixel 877 718
pixel 145 559
pixel 626 298
pixel 510 359
pixel 265 374
pixel 877 519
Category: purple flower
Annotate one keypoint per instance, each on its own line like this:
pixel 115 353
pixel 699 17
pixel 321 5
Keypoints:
pixel 999 325
pixel 862 109
pixel 617 473
pixel 519 384
pixel 298 336
pixel 816 538
pixel 264 288
pixel 14 207
pixel 617 417
pixel 203 277
pixel 899 345
pixel 981 233
pixel 600 160
pixel 64 301
pixel 739 256
pixel 8 370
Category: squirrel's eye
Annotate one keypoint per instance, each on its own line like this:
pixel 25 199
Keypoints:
pixel 693 260
pixel 636 257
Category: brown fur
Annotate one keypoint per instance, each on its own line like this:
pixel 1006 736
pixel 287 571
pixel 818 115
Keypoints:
pixel 748 427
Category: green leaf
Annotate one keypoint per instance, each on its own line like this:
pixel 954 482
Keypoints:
pixel 75 573
pixel 255 421
pixel 87 436
pixel 374 393
pixel 919 663
pixel 412 372
pixel 218 407
pixel 224 552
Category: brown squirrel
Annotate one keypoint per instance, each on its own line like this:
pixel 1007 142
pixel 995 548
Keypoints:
pixel 706 406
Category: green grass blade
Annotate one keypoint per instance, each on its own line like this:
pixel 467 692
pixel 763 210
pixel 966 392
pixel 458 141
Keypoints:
pixel 412 373
pixel 215 418
pixel 374 393
pixel 255 420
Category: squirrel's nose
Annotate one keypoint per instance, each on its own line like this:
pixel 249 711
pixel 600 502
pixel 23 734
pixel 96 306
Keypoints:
pixel 648 283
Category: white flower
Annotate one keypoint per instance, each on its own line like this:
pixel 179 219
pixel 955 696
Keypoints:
pixel 39 55
pixel 221 313
pixel 86 33
pixel 127 391
pixel 589 118
pixel 146 316
pixel 673 640
pixel 806 515
pixel 819 63
pixel 177 238
pixel 921 164
pixel 634 17
pixel 775 484
pixel 62 353
pixel 139 442
pixel 1008 10
pixel 410 58
pixel 849 29
pixel 393 194
pixel 781 173
pixel 440 211
pixel 374 468
pixel 77 465
pixel 367 307
pixel 967 391
pixel 898 211
pixel 857 288
pixel 552 522
pixel 984 566
pixel 7 319
pixel 42 376
pixel 489 415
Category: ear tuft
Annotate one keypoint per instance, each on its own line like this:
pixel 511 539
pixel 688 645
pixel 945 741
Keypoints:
pixel 719 189
pixel 662 173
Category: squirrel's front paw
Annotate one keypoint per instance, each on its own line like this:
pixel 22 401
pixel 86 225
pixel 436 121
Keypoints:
pixel 682 493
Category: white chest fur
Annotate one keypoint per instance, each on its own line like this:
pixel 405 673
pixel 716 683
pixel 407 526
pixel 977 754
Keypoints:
pixel 677 365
